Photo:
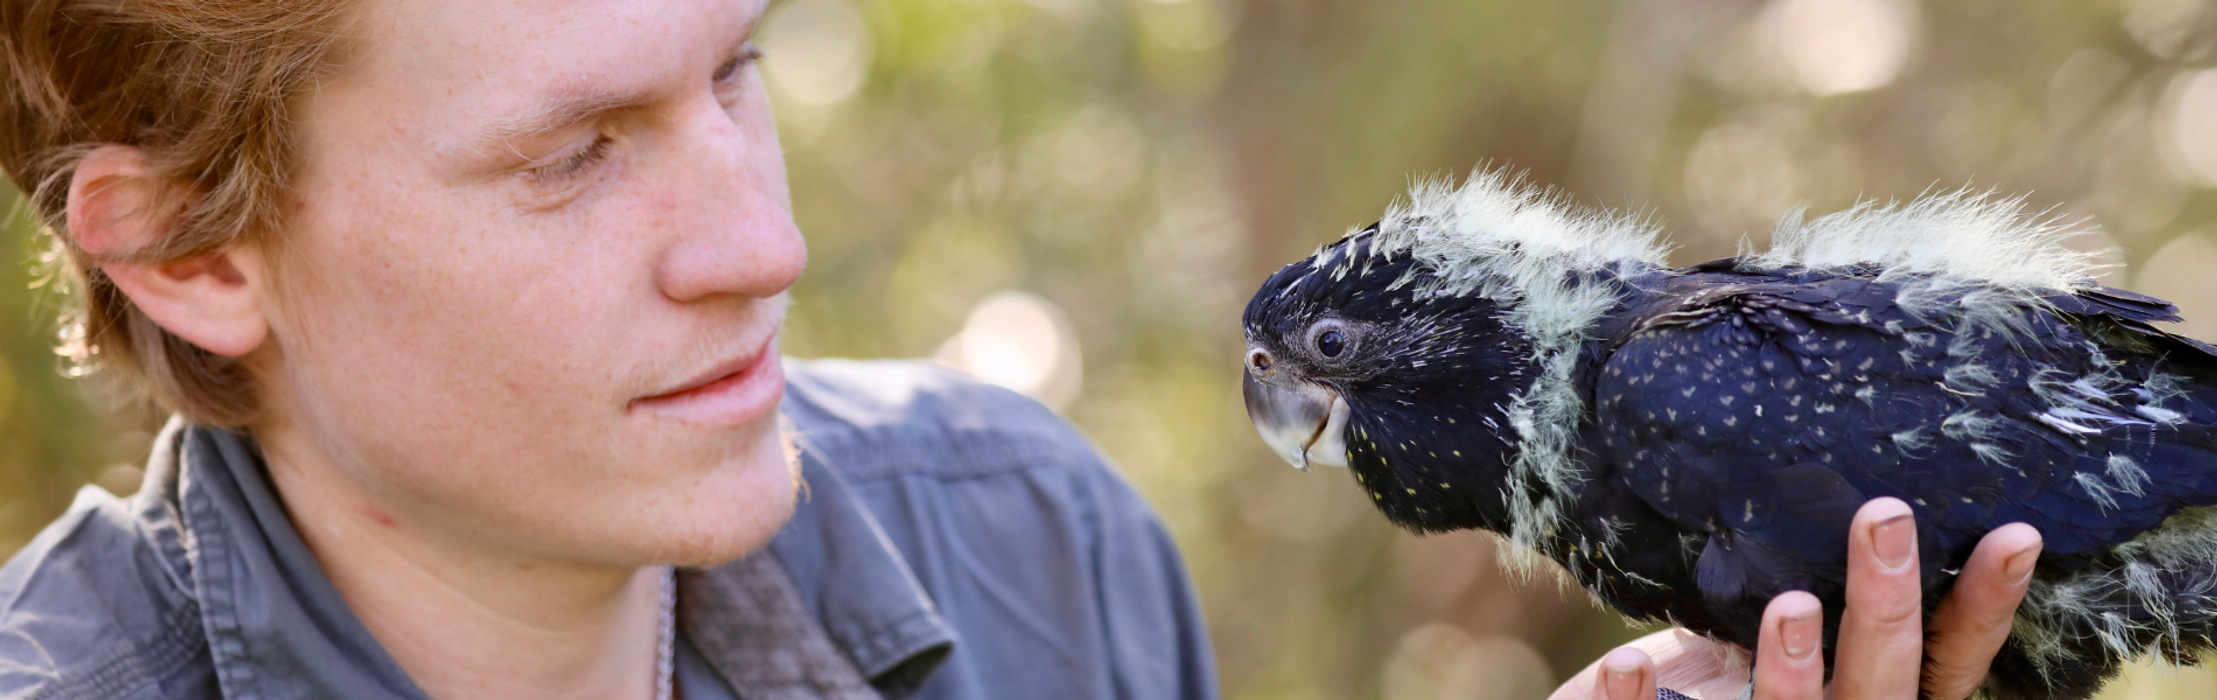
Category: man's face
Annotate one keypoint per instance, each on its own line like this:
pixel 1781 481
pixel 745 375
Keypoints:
pixel 533 275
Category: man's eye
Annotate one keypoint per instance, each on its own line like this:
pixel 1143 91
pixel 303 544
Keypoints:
pixel 590 154
pixel 747 54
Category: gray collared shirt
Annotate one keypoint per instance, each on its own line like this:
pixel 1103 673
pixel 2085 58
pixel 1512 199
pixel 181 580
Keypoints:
pixel 956 542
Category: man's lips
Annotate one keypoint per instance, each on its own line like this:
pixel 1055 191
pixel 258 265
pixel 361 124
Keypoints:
pixel 733 392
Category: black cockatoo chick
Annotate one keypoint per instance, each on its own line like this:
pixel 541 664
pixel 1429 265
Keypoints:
pixel 1690 442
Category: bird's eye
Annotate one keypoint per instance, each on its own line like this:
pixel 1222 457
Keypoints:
pixel 1331 343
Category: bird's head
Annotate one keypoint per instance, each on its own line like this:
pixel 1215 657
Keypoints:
pixel 1357 358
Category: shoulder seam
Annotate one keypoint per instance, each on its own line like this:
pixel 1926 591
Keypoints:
pixel 960 455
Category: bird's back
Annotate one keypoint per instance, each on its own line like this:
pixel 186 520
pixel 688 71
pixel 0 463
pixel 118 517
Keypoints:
pixel 1754 408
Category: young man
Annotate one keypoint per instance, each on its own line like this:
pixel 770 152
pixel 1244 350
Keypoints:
pixel 469 313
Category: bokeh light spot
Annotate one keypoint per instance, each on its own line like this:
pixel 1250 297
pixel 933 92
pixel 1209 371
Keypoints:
pixel 1839 46
pixel 820 51
pixel 1441 662
pixel 2168 28
pixel 2194 124
pixel 1020 341
pixel 1188 25
pixel 1738 176
pixel 2179 273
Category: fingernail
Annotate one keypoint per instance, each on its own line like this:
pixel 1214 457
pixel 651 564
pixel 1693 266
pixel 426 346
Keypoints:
pixel 1800 633
pixel 1622 675
pixel 1895 541
pixel 2019 566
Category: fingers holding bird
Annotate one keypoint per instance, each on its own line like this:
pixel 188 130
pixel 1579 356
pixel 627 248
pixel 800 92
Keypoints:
pixel 1887 649
pixel 1626 674
pixel 1971 623
pixel 1881 629
pixel 1788 665
pixel 1882 645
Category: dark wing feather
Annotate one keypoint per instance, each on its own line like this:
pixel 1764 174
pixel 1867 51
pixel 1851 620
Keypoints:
pixel 1760 412
pixel 2136 313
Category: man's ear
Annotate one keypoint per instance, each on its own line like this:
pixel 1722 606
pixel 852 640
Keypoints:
pixel 118 205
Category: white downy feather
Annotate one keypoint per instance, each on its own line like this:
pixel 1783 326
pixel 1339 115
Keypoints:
pixel 1522 246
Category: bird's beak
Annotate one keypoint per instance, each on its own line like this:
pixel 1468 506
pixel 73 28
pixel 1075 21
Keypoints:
pixel 1306 424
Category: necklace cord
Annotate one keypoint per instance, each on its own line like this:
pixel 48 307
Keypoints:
pixel 665 677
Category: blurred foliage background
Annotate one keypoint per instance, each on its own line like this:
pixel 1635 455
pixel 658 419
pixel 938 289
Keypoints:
pixel 1074 198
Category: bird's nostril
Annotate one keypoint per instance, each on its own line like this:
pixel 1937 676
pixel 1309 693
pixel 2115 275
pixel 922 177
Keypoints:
pixel 1259 361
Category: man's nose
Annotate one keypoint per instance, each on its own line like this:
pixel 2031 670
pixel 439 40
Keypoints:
pixel 738 236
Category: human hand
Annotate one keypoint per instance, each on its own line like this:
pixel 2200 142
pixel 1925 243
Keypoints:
pixel 1883 652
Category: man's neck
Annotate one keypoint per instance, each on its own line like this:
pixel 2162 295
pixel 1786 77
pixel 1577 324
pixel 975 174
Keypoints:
pixel 466 621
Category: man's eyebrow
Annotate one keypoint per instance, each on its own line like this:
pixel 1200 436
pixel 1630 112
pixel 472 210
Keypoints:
pixel 564 110
pixel 555 114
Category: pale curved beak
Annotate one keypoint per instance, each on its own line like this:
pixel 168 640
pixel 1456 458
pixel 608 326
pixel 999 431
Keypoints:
pixel 1305 424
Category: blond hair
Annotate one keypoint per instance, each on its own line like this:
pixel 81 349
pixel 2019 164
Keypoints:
pixel 206 89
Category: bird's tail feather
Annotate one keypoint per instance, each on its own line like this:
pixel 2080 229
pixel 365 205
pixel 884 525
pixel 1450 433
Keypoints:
pixel 2154 595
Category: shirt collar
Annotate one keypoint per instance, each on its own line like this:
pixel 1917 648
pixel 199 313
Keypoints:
pixel 846 570
pixel 278 628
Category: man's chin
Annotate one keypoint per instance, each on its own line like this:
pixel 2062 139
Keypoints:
pixel 717 549
pixel 735 513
